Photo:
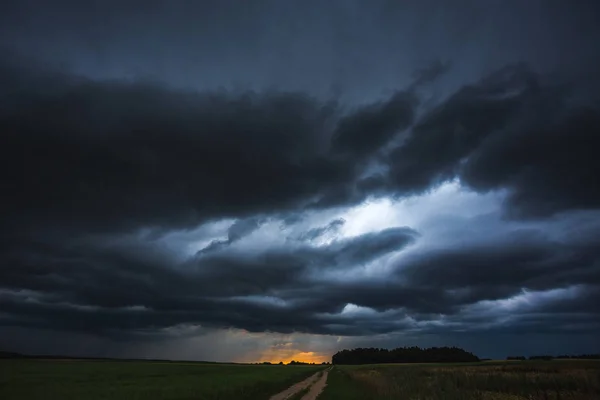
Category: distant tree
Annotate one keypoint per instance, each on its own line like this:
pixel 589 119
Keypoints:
pixel 516 358
pixel 580 356
pixel 280 362
pixel 544 357
pixel 297 363
pixel 403 355
pixel 8 354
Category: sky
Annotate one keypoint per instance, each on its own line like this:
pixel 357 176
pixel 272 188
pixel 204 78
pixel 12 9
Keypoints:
pixel 271 180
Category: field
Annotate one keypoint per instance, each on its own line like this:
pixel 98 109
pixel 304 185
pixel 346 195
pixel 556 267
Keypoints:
pixel 533 380
pixel 91 380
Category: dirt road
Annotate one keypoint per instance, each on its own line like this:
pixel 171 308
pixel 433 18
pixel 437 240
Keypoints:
pixel 315 384
pixel 317 388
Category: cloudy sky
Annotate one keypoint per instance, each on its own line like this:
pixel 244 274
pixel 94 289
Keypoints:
pixel 275 180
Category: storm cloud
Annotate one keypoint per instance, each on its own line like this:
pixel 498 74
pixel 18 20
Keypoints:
pixel 342 183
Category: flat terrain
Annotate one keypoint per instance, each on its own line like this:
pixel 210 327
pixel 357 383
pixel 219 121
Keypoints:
pixel 308 389
pixel 91 380
pixel 514 380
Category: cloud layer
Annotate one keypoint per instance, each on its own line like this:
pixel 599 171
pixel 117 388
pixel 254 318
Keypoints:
pixel 137 210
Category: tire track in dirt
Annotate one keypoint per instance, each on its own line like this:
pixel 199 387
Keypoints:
pixel 317 388
pixel 315 383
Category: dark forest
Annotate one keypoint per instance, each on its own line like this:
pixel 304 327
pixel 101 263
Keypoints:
pixel 403 355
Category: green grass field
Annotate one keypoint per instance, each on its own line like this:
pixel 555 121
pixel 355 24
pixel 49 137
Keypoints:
pixel 531 380
pixel 91 380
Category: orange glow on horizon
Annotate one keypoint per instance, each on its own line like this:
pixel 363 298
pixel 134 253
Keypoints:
pixel 286 355
pixel 306 357
pixel 284 350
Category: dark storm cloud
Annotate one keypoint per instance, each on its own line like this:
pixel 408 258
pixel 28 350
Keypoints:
pixel 515 130
pixel 118 155
pixel 242 228
pixel 382 121
pixel 451 131
pixel 331 227
pixel 456 282
pixel 93 157
pixel 123 288
pixel 360 47
pixel 84 156
pixel 238 230
pixel 115 155
pixel 289 268
pixel 431 72
pixel 551 170
pixel 120 291
pixel 500 269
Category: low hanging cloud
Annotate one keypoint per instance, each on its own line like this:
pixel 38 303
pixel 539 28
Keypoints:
pixel 111 289
pixel 237 231
pixel 142 155
pixel 131 209
pixel 511 130
pixel 331 228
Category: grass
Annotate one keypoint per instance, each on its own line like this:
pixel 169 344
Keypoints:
pixel 94 380
pixel 340 385
pixel 515 380
pixel 299 395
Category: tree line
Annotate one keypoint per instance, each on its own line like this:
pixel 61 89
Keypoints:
pixel 561 357
pixel 293 362
pixel 403 355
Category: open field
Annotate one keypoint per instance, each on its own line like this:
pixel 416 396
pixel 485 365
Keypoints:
pixel 533 380
pixel 309 389
pixel 91 380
